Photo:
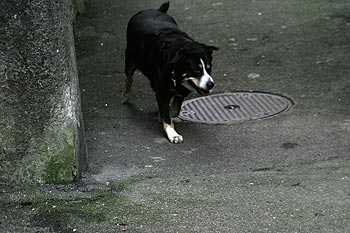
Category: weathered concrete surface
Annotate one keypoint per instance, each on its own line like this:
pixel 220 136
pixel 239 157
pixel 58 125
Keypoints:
pixel 41 130
pixel 289 173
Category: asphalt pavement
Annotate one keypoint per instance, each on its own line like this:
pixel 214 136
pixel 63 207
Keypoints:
pixel 288 173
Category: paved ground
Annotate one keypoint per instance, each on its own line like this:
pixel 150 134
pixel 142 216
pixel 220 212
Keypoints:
pixel 289 173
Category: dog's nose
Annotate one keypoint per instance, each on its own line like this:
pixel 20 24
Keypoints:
pixel 210 85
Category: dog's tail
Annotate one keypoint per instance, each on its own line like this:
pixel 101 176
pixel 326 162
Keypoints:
pixel 164 7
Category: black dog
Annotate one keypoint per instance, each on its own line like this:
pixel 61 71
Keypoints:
pixel 174 63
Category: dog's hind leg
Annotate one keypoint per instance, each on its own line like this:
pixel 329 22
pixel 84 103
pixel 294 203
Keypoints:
pixel 130 68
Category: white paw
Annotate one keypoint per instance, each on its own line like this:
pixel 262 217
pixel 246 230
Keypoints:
pixel 176 139
pixel 173 136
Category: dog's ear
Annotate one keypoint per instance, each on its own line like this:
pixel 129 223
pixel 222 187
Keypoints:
pixel 211 48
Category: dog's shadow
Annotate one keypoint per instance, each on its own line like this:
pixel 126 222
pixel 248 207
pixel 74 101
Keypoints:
pixel 150 121
pixel 147 120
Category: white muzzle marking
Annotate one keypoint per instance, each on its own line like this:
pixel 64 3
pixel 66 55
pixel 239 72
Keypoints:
pixel 205 78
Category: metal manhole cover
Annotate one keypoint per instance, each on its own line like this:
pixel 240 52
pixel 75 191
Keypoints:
pixel 231 108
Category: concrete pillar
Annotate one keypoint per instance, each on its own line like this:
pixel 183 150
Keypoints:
pixel 41 127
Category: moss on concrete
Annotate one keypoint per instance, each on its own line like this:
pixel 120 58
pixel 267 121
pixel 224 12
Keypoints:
pixel 51 161
pixel 109 207
pixel 76 8
pixel 61 208
pixel 62 167
pixel 102 207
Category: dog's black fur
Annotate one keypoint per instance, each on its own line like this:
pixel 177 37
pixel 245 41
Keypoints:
pixel 171 60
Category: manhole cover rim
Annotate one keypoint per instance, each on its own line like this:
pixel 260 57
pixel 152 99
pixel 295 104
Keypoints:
pixel 286 100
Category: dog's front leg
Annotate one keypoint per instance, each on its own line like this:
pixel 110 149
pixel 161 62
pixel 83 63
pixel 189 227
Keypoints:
pixel 176 106
pixel 163 106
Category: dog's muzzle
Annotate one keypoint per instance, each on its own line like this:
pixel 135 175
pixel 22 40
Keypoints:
pixel 202 85
pixel 206 83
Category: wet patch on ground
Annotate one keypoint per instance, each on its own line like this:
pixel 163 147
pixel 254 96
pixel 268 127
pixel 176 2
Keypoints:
pixel 81 208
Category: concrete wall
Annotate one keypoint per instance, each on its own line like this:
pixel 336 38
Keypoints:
pixel 41 129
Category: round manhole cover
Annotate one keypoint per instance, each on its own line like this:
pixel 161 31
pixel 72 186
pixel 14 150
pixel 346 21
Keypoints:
pixel 231 108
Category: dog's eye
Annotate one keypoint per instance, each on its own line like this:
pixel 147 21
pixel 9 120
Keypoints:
pixel 197 72
pixel 208 66
pixel 200 66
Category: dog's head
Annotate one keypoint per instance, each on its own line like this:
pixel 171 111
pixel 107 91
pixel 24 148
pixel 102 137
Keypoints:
pixel 191 67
